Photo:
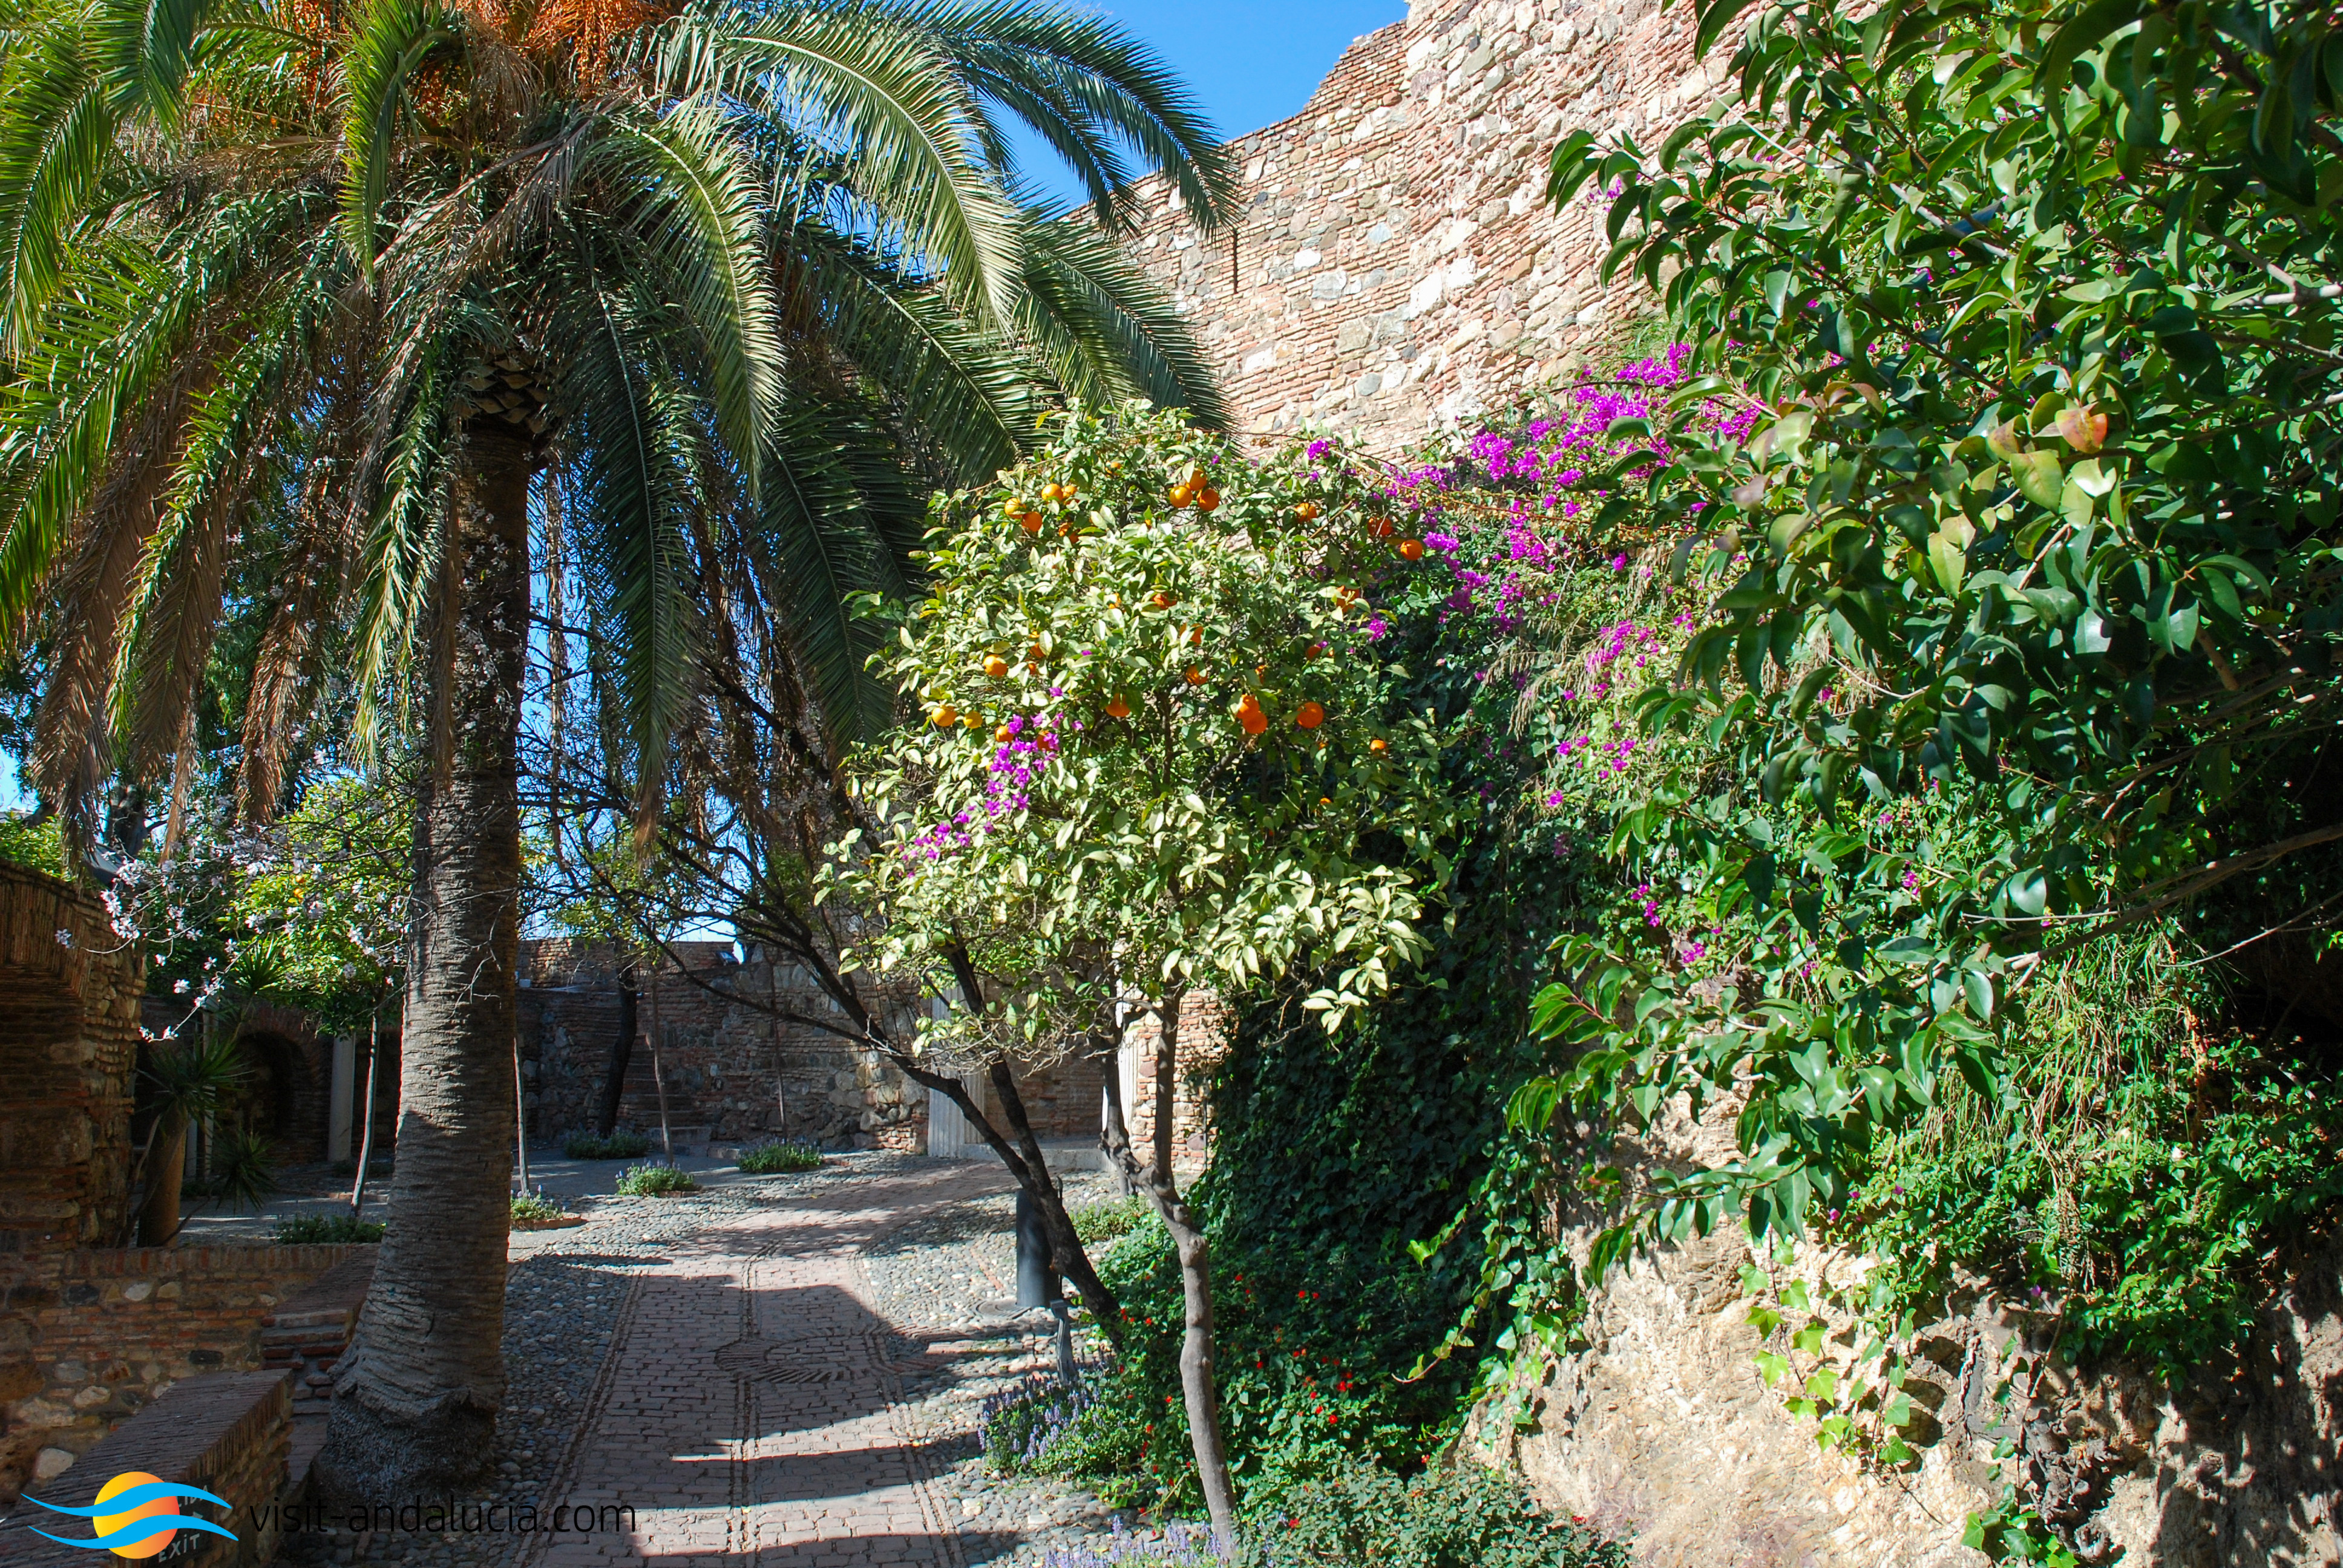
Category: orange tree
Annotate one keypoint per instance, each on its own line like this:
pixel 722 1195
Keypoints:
pixel 1159 751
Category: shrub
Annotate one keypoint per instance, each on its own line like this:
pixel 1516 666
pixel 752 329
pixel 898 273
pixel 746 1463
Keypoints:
pixel 619 1145
pixel 313 1229
pixel 1099 1223
pixel 654 1181
pixel 1311 1344
pixel 536 1208
pixel 1362 1513
pixel 779 1159
pixel 30 840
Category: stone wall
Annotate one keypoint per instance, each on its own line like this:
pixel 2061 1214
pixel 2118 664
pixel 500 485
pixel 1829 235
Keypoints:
pixel 1396 265
pixel 89 1338
pixel 719 1054
pixel 733 1075
pixel 1661 1425
pixel 69 991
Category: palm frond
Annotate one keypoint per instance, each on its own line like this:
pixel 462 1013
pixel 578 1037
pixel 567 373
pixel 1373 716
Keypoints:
pixel 401 486
pixel 961 387
pixel 391 40
pixel 145 51
pixel 104 343
pixel 1082 82
pixel 705 226
pixel 640 484
pixel 870 84
pixel 57 127
pixel 833 496
pixel 1107 330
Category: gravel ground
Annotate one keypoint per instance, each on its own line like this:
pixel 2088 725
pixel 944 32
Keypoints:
pixel 955 1270
pixel 568 1289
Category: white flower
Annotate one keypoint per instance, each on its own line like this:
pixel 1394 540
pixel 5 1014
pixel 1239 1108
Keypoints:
pixel 178 988
pixel 65 938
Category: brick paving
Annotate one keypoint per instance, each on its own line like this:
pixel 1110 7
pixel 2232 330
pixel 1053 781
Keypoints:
pixel 755 1407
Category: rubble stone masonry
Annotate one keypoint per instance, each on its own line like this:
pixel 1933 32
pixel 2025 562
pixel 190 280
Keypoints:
pixel 1397 266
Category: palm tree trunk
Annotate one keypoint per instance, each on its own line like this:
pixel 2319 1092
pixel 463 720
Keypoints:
pixel 415 1403
pixel 1195 1255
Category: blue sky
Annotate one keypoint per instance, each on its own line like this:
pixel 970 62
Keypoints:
pixel 1251 61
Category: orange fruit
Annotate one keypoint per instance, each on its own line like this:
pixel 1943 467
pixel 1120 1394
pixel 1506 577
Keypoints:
pixel 1195 676
pixel 1310 715
pixel 1307 511
pixel 1066 492
pixel 1378 744
pixel 1180 494
pixel 1012 506
pixel 945 716
pixel 1207 499
pixel 1252 719
pixel 1003 734
pixel 1411 549
pixel 1118 708
pixel 1195 637
pixel 1030 522
pixel 1049 492
pixel 1380 528
pixel 1197 478
pixel 995 666
pixel 1162 600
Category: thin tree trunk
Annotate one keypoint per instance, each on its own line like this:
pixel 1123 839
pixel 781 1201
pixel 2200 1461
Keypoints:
pixel 1196 1356
pixel 1068 1256
pixel 365 1132
pixel 659 1079
pixel 416 1398
pixel 622 1052
pixel 167 1157
pixel 773 1000
pixel 520 1123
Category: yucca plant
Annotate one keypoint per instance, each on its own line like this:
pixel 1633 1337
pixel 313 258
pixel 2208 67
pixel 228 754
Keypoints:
pixel 424 298
pixel 183 1084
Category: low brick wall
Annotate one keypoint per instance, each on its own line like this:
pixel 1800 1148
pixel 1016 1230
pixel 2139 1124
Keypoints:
pixel 89 1339
pixel 227 1432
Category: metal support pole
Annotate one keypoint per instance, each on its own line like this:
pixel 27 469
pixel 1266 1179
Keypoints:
pixel 1036 1282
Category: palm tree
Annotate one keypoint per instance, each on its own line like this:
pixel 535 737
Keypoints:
pixel 377 285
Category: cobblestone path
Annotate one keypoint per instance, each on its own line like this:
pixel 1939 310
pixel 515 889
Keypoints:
pixel 754 1407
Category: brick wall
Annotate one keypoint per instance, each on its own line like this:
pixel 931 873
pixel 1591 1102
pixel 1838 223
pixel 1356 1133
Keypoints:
pixel 87 1338
pixel 1396 265
pixel 228 1433
pixel 69 991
